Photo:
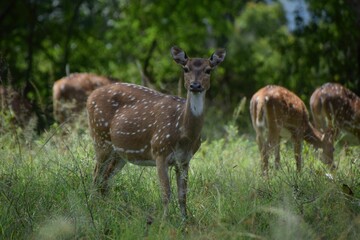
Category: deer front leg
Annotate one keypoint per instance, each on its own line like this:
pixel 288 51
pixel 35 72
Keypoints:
pixel 162 170
pixel 181 179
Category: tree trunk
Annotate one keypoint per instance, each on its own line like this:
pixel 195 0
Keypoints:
pixel 32 8
pixel 69 35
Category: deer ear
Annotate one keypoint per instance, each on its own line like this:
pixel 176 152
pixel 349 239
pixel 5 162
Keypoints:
pixel 179 55
pixel 217 57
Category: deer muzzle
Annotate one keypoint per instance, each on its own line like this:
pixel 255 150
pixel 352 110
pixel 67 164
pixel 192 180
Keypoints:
pixel 196 87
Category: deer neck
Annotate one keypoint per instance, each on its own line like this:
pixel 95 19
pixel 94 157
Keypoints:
pixel 193 115
pixel 313 136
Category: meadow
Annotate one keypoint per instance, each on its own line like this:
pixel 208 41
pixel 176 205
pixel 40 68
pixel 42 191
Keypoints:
pixel 46 192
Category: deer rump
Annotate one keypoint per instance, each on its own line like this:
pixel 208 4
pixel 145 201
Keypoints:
pixel 267 117
pixel 128 119
pixel 335 108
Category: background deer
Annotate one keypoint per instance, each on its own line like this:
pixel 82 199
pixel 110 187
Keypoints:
pixel 131 123
pixel 277 112
pixel 336 108
pixel 70 93
pixel 20 108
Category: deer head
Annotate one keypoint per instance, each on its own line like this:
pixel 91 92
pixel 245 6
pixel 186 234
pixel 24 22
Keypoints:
pixel 132 123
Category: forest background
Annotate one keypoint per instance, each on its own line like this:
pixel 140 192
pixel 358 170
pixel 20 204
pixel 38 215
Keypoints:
pixel 300 48
pixel 46 189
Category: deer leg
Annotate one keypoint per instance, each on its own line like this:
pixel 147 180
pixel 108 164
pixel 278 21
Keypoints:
pixel 320 121
pixel 274 143
pixel 106 164
pixel 181 179
pixel 332 127
pixel 162 170
pixel 264 152
pixel 115 164
pixel 297 153
pixel 276 146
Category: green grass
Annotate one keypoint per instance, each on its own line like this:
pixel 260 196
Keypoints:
pixel 46 193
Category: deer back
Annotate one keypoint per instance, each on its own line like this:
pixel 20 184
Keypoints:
pixel 281 108
pixel 138 121
pixel 332 103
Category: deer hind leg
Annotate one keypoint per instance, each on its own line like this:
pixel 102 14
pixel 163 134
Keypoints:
pixel 273 142
pixel 329 123
pixel 107 163
pixel 182 179
pixel 275 145
pixel 320 120
pixel 264 152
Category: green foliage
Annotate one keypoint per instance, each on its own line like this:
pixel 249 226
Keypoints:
pixel 256 57
pixel 46 193
pixel 125 39
pixel 326 50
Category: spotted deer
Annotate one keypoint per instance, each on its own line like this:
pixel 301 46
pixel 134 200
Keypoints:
pixel 132 123
pixel 70 93
pixel 277 112
pixel 19 107
pixel 334 107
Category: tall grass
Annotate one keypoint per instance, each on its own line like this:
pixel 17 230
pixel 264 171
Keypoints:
pixel 46 193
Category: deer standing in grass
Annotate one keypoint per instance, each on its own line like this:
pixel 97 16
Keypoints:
pixel 70 93
pixel 277 112
pixel 336 108
pixel 132 123
pixel 20 107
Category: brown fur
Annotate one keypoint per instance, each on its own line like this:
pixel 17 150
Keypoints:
pixel 274 109
pixel 336 108
pixel 20 108
pixel 131 123
pixel 70 93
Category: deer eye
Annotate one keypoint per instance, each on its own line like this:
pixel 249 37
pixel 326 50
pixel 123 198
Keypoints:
pixel 208 70
pixel 186 69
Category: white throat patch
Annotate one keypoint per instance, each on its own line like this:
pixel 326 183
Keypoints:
pixel 197 102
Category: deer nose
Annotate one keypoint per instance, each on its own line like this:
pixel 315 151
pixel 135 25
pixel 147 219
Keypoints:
pixel 196 87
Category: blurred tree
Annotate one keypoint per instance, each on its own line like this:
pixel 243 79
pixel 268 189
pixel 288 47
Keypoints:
pixel 43 40
pixel 258 47
pixel 330 45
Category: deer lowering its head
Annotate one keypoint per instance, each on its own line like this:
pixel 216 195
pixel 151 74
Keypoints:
pixel 131 123
pixel 70 93
pixel 277 112
pixel 336 108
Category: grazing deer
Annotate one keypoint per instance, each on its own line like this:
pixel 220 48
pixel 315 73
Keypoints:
pixel 20 108
pixel 70 93
pixel 336 108
pixel 131 123
pixel 276 112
